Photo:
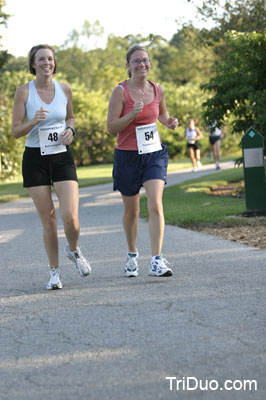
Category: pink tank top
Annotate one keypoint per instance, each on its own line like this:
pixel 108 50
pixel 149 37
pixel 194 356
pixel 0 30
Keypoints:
pixel 126 138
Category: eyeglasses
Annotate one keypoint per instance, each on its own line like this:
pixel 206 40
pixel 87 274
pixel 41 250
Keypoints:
pixel 139 61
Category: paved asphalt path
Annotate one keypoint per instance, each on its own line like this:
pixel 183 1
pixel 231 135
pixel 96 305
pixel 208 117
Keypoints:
pixel 107 337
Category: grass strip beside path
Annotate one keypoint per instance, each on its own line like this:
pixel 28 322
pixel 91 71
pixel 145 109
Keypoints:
pixel 190 205
pixel 88 176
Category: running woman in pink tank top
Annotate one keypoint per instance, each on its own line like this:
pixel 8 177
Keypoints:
pixel 140 159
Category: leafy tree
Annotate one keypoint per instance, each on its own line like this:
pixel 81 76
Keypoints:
pixel 238 15
pixel 183 102
pixel 93 144
pixel 93 68
pixel 229 15
pixel 186 58
pixel 76 65
pixel 238 88
pixel 15 64
pixel 4 58
pixel 3 16
pixel 4 55
pixel 83 38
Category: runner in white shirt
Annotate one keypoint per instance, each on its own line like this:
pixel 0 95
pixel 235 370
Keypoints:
pixel 46 105
pixel 193 135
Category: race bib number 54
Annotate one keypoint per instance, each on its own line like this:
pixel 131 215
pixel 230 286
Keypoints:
pixel 148 139
pixel 50 139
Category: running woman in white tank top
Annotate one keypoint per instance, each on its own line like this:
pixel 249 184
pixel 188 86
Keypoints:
pixel 47 107
pixel 193 135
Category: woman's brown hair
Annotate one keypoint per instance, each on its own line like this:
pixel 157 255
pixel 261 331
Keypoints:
pixel 33 52
pixel 131 50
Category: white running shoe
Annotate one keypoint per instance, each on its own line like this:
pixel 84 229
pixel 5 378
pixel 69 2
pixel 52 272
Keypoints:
pixel 81 264
pixel 199 164
pixel 131 268
pixel 158 267
pixel 55 279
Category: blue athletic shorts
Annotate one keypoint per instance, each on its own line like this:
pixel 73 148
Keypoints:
pixel 214 139
pixel 131 169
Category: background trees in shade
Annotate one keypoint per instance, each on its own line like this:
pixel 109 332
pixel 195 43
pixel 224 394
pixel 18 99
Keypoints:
pixel 239 83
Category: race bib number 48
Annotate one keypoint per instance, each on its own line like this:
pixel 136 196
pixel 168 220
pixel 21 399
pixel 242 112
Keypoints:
pixel 148 139
pixel 50 139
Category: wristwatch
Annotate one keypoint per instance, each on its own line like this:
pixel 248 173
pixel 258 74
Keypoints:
pixel 73 130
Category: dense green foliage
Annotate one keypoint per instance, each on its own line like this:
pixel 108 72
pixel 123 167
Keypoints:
pixel 10 149
pixel 235 15
pixel 239 83
pixel 92 75
pixel 228 66
pixel 4 56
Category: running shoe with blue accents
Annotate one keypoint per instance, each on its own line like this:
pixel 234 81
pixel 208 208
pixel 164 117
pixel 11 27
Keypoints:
pixel 131 268
pixel 81 264
pixel 159 268
pixel 55 281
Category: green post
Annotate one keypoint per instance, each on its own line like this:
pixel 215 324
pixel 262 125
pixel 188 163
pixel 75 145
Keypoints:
pixel 254 171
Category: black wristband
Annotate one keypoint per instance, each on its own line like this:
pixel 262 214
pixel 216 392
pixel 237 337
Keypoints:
pixel 73 130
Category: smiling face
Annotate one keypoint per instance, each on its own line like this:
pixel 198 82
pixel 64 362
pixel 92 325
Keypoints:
pixel 139 63
pixel 44 62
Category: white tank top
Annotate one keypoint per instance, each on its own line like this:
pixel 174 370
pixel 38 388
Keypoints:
pixel 57 109
pixel 215 132
pixel 191 134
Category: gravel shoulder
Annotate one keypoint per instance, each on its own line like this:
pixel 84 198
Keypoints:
pixel 252 235
pixel 247 230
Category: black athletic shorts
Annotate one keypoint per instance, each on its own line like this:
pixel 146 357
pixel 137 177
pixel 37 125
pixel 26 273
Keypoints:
pixel 38 170
pixel 131 169
pixel 195 146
